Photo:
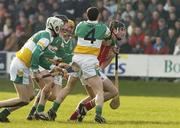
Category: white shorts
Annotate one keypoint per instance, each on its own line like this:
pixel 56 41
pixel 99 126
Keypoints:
pixel 88 64
pixel 102 75
pixel 57 79
pixel 19 73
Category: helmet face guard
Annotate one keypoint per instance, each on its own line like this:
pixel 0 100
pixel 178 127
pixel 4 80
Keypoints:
pixel 54 24
pixel 119 27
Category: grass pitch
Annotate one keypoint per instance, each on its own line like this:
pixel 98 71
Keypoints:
pixel 143 105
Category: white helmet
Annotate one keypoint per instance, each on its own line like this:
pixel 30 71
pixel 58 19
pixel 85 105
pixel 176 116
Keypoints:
pixel 54 24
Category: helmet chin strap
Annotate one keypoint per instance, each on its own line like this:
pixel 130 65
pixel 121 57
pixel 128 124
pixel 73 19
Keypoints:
pixel 52 29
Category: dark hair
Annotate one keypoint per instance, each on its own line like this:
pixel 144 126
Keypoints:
pixel 64 18
pixel 92 13
pixel 116 24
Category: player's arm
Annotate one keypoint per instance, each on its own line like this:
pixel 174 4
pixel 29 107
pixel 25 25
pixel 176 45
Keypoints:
pixel 46 64
pixel 108 60
pixel 107 35
pixel 41 45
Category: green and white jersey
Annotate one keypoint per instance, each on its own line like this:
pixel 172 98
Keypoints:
pixel 34 47
pixel 90 35
pixel 64 51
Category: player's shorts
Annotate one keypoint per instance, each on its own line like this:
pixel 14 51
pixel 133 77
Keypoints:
pixel 88 65
pixel 102 75
pixel 57 79
pixel 19 73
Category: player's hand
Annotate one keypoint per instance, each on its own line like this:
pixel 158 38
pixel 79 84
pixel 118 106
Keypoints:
pixel 63 65
pixel 59 71
pixel 56 71
pixel 56 62
pixel 65 74
pixel 36 75
pixel 115 50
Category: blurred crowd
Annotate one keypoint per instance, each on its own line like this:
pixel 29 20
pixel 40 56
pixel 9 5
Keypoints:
pixel 153 26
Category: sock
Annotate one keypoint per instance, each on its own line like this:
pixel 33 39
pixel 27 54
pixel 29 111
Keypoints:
pixel 74 115
pixel 55 106
pixel 4 113
pixel 89 105
pixel 98 110
pixel 40 108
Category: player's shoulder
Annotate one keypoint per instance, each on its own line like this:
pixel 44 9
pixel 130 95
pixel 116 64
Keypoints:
pixel 42 34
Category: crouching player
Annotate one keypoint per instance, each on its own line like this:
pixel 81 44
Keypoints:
pixel 28 57
pixel 63 49
pixel 107 53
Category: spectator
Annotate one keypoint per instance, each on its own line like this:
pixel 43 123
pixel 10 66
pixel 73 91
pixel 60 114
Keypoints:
pixel 177 27
pixel 41 10
pixel 177 47
pixel 162 12
pixel 105 15
pixel 153 25
pixel 112 6
pixel 128 11
pixel 152 6
pixel 171 40
pixel 159 46
pixel 142 8
pixel 162 28
pixel 8 27
pixel 100 5
pixel 172 20
pixel 2 11
pixel 40 24
pixel 28 8
pixel 139 20
pixel 136 39
pixel 11 43
pixel 148 47
pixel 125 47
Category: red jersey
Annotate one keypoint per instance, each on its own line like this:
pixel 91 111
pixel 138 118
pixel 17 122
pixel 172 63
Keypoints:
pixel 104 51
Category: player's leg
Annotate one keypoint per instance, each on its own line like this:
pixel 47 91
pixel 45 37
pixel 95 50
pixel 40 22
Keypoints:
pixel 56 89
pixel 53 94
pixel 23 99
pixel 20 76
pixel 110 91
pixel 61 96
pixel 34 107
pixel 41 84
pixel 96 84
pixel 45 92
pixel 76 113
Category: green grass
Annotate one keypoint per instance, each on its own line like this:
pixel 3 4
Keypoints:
pixel 143 105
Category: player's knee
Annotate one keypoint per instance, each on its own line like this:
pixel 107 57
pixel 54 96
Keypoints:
pixel 115 92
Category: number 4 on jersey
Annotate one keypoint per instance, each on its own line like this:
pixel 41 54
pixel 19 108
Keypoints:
pixel 90 35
